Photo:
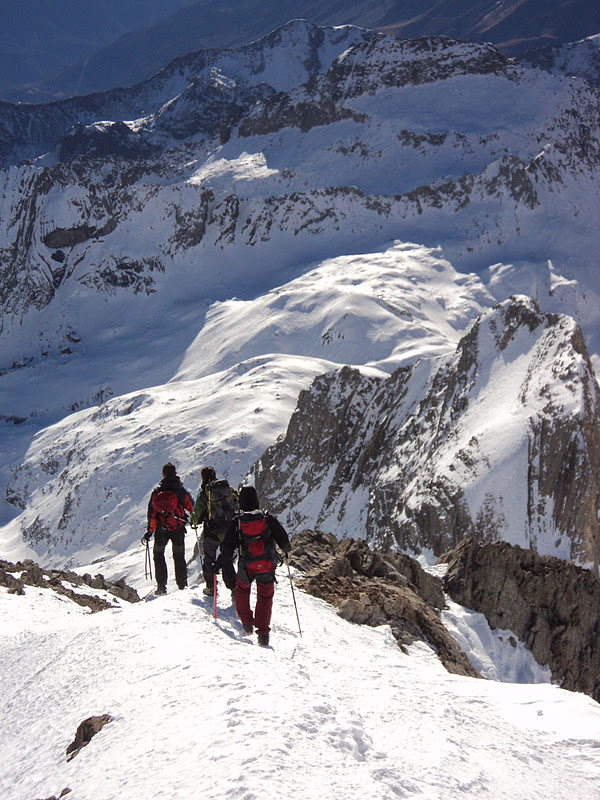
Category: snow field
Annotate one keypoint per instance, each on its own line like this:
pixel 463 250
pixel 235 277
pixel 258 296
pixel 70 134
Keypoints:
pixel 201 711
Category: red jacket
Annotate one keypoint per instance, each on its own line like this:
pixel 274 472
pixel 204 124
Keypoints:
pixel 169 485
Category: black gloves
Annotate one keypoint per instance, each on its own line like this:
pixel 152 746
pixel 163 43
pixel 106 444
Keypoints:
pixel 146 537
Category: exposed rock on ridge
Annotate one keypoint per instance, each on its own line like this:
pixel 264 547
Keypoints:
pixel 501 441
pixel 581 59
pixel 550 605
pixel 371 589
pixel 15 577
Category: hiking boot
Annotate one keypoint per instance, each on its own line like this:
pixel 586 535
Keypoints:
pixel 161 590
pixel 183 586
pixel 209 591
pixel 263 639
pixel 248 628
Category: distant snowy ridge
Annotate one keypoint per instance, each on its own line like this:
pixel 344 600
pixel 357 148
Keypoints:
pixel 580 59
pixel 499 441
pixel 277 62
pixel 368 139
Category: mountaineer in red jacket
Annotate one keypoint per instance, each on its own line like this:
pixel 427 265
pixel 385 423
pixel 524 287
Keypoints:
pixel 255 534
pixel 167 517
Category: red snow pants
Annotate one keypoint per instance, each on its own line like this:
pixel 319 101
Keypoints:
pixel 264 604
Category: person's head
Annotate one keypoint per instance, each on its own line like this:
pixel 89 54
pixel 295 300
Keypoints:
pixel 169 470
pixel 248 498
pixel 208 474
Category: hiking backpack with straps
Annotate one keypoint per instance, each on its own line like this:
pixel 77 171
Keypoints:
pixel 222 505
pixel 169 509
pixel 258 546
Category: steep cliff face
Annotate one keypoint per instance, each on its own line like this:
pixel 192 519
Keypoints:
pixel 501 441
pixel 551 605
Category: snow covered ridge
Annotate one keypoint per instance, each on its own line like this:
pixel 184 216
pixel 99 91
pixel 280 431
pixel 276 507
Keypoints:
pixel 580 59
pixel 81 486
pixel 198 711
pixel 367 139
pixel 499 441
pixel 278 62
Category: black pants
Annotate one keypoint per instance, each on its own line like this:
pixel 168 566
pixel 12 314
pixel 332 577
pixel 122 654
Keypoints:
pixel 161 537
pixel 211 545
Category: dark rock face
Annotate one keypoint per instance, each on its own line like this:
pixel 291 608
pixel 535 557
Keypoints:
pixel 85 732
pixel 551 605
pixel 15 577
pixel 414 459
pixel 68 237
pixel 371 589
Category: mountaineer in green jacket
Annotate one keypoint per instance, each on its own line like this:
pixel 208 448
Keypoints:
pixel 215 507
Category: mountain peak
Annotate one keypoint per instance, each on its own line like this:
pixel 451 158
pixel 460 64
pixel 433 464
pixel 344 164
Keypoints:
pixel 441 451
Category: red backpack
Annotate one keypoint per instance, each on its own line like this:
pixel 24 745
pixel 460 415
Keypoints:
pixel 258 546
pixel 169 510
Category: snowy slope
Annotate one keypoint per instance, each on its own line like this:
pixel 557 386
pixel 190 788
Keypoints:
pixel 246 163
pixel 83 483
pixel 198 710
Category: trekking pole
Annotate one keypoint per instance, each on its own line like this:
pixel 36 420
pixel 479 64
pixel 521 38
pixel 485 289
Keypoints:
pixel 293 596
pixel 148 560
pixel 215 593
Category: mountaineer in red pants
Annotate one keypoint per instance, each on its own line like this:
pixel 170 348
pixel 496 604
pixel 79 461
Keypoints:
pixel 255 534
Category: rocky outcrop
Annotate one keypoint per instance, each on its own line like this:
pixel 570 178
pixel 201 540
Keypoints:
pixel 551 605
pixel 64 793
pixel 501 441
pixel 69 237
pixel 85 733
pixel 15 577
pixel 371 589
